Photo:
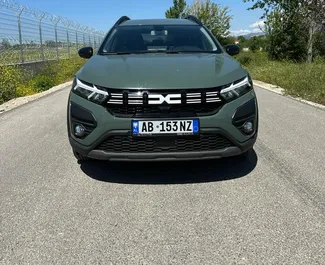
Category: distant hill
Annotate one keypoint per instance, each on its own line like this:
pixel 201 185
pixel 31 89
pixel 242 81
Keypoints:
pixel 250 35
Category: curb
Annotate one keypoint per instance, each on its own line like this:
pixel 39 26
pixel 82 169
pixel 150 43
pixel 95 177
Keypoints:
pixel 281 91
pixel 20 101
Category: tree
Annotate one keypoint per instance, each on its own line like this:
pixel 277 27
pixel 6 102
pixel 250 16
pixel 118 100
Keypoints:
pixel 254 45
pixel 307 12
pixel 5 44
pixel 176 10
pixel 286 35
pixel 241 39
pixel 227 40
pixel 212 15
pixel 320 43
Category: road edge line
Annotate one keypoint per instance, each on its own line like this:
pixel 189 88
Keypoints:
pixel 281 91
pixel 20 101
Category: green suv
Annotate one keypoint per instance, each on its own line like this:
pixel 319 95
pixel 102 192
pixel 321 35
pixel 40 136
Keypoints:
pixel 161 89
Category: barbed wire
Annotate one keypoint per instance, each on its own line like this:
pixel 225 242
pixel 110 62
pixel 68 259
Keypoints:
pixel 29 34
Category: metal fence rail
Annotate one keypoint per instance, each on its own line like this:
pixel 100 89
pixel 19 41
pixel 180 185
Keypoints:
pixel 30 35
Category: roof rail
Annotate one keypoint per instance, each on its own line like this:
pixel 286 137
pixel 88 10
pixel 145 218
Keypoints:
pixel 194 19
pixel 121 20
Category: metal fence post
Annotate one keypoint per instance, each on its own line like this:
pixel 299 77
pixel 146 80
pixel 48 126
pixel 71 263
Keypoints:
pixel 68 39
pixel 56 21
pixel 20 35
pixel 40 36
pixel 77 28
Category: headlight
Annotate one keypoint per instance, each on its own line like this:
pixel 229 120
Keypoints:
pixel 237 89
pixel 90 92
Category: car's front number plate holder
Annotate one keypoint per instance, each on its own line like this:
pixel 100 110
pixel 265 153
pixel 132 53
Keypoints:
pixel 163 127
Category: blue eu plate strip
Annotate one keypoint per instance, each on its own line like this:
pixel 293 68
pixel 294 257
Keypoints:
pixel 195 126
pixel 135 127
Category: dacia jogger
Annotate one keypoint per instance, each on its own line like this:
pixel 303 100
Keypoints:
pixel 161 89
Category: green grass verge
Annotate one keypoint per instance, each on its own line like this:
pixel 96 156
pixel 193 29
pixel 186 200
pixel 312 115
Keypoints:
pixel 15 81
pixel 11 56
pixel 302 80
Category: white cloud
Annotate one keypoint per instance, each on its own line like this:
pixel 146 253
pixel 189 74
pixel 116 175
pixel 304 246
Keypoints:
pixel 240 32
pixel 257 30
pixel 257 24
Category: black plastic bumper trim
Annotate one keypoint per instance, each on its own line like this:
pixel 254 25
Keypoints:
pixel 91 152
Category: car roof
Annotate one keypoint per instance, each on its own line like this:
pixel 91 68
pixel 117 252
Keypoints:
pixel 149 22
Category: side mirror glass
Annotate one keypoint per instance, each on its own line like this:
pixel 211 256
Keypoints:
pixel 86 52
pixel 232 49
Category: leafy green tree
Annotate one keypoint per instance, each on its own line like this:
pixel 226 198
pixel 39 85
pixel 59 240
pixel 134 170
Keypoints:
pixel 254 44
pixel 287 36
pixel 320 43
pixel 308 13
pixel 227 40
pixel 176 10
pixel 213 16
pixel 241 39
pixel 5 44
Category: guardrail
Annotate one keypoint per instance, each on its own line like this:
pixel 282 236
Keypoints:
pixel 30 35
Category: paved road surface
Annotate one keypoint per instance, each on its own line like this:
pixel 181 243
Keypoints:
pixel 267 210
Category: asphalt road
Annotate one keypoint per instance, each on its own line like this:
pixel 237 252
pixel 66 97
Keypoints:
pixel 269 209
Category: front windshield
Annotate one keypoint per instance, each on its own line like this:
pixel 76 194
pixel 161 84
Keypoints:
pixel 148 39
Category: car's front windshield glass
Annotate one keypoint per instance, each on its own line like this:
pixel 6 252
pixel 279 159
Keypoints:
pixel 162 38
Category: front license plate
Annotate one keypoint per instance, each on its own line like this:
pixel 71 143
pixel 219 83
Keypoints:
pixel 178 127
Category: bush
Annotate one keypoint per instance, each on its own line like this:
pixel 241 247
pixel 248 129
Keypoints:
pixel 298 79
pixel 244 60
pixel 10 77
pixel 43 82
pixel 17 82
pixel 25 90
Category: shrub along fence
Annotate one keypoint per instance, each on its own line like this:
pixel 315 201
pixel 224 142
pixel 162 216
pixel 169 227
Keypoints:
pixel 17 81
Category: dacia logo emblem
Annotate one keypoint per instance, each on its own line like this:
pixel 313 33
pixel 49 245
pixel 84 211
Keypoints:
pixel 160 99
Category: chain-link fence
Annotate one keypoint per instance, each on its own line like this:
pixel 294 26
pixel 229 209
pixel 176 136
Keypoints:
pixel 30 35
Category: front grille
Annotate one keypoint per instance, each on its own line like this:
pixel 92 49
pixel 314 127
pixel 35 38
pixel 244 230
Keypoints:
pixel 183 102
pixel 128 144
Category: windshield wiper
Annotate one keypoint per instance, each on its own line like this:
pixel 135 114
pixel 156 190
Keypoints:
pixel 114 53
pixel 156 51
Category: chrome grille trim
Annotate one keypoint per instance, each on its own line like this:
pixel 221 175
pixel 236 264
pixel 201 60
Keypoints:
pixel 156 98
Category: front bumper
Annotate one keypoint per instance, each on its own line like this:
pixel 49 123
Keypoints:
pixel 102 126
pixel 235 149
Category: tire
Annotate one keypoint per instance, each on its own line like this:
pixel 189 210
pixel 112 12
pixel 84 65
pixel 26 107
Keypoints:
pixel 79 157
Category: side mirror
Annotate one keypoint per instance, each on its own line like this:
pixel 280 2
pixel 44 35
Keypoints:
pixel 232 49
pixel 86 52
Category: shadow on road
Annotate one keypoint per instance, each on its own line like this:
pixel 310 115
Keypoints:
pixel 170 172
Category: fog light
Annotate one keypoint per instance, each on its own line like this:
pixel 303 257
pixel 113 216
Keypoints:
pixel 79 130
pixel 248 127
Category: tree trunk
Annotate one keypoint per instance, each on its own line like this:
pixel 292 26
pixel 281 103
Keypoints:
pixel 310 42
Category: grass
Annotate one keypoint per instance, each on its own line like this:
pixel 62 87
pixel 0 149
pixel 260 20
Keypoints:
pixel 11 56
pixel 302 80
pixel 17 82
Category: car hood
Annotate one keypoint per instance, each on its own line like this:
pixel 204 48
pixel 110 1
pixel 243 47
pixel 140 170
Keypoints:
pixel 161 71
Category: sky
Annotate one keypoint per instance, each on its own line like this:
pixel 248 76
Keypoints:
pixel 102 14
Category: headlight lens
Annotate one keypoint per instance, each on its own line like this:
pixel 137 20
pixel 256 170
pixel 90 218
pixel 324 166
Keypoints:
pixel 90 92
pixel 236 90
